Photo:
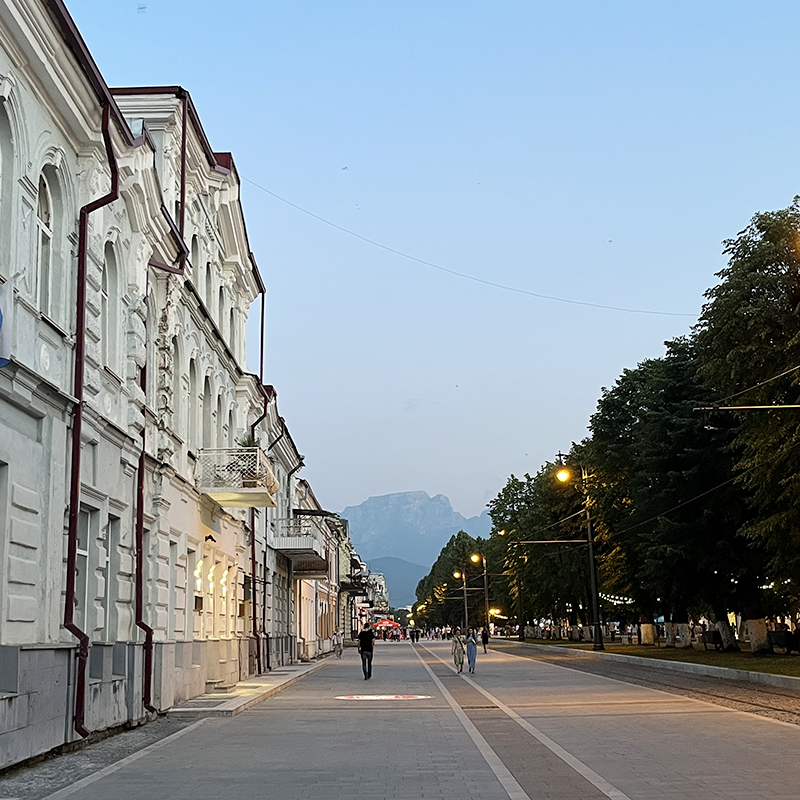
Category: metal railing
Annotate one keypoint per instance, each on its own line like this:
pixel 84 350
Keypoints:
pixel 238 468
pixel 303 526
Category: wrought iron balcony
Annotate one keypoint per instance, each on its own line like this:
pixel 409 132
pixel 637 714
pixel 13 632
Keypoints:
pixel 302 541
pixel 237 477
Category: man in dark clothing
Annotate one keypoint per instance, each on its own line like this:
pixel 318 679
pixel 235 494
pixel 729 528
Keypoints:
pixel 485 637
pixel 366 642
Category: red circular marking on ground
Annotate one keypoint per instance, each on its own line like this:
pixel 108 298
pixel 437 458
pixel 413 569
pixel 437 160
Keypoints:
pixel 383 697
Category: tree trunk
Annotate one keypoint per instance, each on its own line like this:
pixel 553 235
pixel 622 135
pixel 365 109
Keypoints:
pixel 729 644
pixel 684 636
pixel 757 633
pixel 670 633
pixel 648 633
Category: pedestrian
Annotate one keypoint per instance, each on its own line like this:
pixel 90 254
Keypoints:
pixel 472 649
pixel 485 637
pixel 366 645
pixel 457 649
pixel 338 642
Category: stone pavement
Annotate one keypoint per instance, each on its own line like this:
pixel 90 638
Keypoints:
pixel 519 729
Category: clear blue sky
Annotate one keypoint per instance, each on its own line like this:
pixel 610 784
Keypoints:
pixel 598 152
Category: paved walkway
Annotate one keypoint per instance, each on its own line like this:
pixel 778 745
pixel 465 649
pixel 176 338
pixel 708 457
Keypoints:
pixel 519 728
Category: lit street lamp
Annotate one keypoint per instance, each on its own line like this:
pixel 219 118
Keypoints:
pixel 475 558
pixel 564 474
pixel 463 575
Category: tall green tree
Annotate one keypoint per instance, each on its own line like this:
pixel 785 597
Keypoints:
pixel 440 597
pixel 748 333
pixel 662 490
pixel 544 580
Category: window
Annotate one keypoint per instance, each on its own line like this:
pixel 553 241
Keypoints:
pixel 195 252
pixel 231 430
pixel 220 423
pixel 109 569
pixel 209 288
pixel 192 432
pixel 177 404
pixel 85 519
pixel 6 185
pixel 232 336
pixel 109 310
pixel 44 246
pixel 221 311
pixel 208 415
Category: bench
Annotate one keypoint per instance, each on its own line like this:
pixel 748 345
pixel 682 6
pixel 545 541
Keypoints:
pixel 785 640
pixel 712 637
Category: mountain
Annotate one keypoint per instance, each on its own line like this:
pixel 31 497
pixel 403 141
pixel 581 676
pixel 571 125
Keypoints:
pixel 402 578
pixel 411 526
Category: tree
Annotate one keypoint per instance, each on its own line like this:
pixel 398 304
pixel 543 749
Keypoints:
pixel 548 580
pixel 440 599
pixel 748 333
pixel 668 513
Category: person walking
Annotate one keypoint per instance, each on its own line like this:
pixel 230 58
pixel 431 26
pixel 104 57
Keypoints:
pixel 338 642
pixel 472 649
pixel 457 649
pixel 366 645
pixel 485 637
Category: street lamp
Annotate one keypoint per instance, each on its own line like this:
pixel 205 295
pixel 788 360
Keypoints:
pixel 475 558
pixel 564 475
pixel 463 575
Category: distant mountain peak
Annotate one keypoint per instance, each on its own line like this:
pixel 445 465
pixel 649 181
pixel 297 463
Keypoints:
pixel 412 526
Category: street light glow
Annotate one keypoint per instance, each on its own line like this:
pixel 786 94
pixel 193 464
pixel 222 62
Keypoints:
pixel 563 475
pixel 456 574
pixel 474 558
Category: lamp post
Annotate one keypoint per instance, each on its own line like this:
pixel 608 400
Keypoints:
pixel 475 558
pixel 463 575
pixel 564 475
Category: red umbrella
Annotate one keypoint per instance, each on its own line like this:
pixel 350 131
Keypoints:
pixel 387 623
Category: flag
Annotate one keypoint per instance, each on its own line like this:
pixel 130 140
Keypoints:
pixel 6 321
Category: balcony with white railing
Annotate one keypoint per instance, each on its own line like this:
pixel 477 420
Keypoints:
pixel 302 540
pixel 237 477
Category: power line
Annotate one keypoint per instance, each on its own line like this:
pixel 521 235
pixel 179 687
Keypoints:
pixel 463 275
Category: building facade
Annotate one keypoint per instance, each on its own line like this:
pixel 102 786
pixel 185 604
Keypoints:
pixel 156 539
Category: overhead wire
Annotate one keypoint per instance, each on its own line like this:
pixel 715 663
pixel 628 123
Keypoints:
pixel 464 275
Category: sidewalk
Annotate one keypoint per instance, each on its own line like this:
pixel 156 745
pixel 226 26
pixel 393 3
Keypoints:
pixel 749 676
pixel 247 693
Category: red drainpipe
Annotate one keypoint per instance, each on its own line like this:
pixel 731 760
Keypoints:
pixel 253 561
pixel 147 689
pixel 77 427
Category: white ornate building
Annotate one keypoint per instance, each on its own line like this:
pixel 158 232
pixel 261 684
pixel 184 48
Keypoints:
pixel 147 549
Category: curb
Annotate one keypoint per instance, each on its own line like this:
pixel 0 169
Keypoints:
pixel 763 678
pixel 236 705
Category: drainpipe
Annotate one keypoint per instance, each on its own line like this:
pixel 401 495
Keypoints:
pixel 253 427
pixel 291 589
pixel 140 623
pixel 77 427
pixel 147 689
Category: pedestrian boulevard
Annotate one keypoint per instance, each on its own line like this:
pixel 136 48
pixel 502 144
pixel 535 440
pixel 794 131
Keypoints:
pixel 518 728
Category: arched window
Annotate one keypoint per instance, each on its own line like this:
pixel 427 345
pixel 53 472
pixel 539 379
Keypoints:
pixel 209 288
pixel 232 333
pixel 220 423
pixel 208 415
pixel 195 252
pixel 192 428
pixel 177 392
pixel 221 311
pixel 44 246
pixel 6 185
pixel 231 429
pixel 109 311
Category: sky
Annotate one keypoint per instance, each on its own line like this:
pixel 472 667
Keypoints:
pixel 594 152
